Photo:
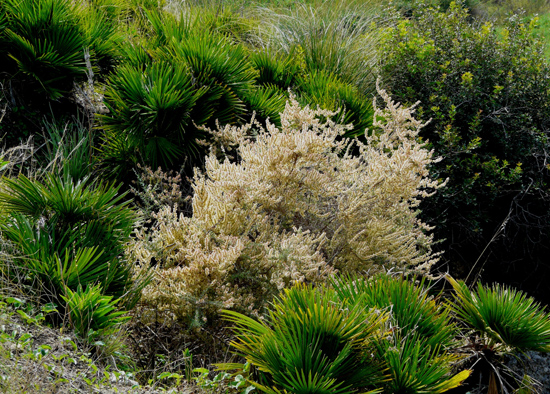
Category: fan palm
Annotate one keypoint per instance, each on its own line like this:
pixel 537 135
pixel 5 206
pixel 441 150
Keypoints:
pixel 68 233
pixel 416 351
pixel 309 344
pixel 151 110
pixel 413 311
pixel 91 312
pixel 223 68
pixel 504 316
pixel 416 366
pixel 43 42
pixel 329 91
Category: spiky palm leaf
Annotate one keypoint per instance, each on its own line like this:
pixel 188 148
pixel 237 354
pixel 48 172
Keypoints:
pixel 310 344
pixel 102 36
pixel 151 110
pixel 503 315
pixel 67 232
pixel 44 41
pixel 413 311
pixel 416 366
pixel 91 312
pixel 267 102
pixel 329 91
pixel 416 351
pixel 220 66
pixel 274 69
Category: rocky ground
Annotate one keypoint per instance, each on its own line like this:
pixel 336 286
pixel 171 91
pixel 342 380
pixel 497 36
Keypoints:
pixel 534 364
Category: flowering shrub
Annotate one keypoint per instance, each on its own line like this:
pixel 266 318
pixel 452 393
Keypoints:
pixel 291 204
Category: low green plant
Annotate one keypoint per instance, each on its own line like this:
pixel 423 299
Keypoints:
pixel 149 114
pixel 38 359
pixel 309 344
pixel 236 382
pixel 43 42
pixel 290 351
pixel 68 233
pixel 413 310
pixel 417 351
pixel 91 313
pixel 503 316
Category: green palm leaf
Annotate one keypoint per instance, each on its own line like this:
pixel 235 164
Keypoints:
pixel 151 111
pixel 504 315
pixel 310 345
pixel 44 42
pixel 68 233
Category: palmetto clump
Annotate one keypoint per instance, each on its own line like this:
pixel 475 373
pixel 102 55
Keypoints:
pixel 292 204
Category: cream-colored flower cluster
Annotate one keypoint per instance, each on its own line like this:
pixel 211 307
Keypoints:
pixel 297 203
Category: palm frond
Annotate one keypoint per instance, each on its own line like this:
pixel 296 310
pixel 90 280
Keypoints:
pixel 151 111
pixel 45 41
pixel 310 344
pixel 68 233
pixel 505 315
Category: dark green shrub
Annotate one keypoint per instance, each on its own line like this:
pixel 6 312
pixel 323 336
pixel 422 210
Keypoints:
pixel 181 77
pixel 487 91
pixel 43 44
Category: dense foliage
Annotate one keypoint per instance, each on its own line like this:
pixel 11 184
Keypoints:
pixel 315 235
pixel 487 91
pixel 67 234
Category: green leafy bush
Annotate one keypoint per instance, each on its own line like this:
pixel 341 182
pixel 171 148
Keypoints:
pixel 487 93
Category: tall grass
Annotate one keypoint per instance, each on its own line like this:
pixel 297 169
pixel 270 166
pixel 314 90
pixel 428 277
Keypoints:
pixel 338 37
